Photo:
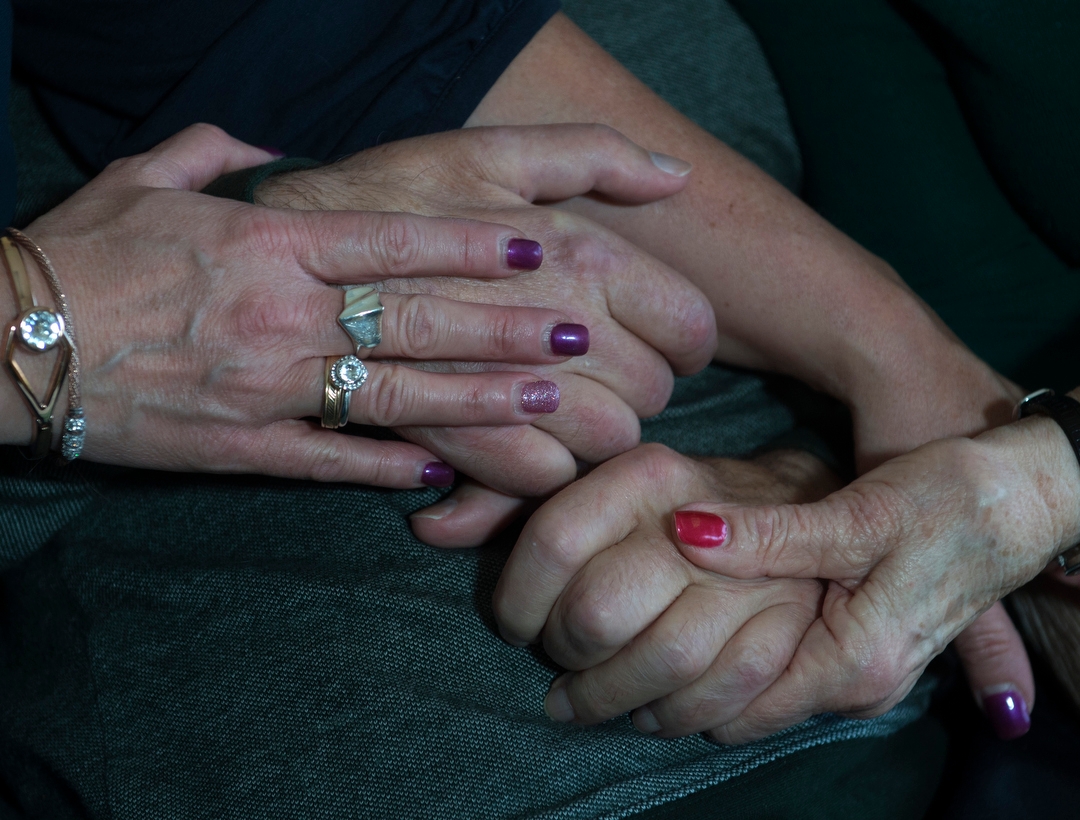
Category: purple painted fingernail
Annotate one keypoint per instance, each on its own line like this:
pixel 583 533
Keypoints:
pixel 569 340
pixel 540 397
pixel 277 154
pixel 1007 711
pixel 437 474
pixel 524 254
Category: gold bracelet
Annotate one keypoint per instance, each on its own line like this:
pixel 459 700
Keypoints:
pixel 37 330
pixel 71 443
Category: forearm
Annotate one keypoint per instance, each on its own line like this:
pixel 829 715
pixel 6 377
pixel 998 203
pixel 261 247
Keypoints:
pixel 790 292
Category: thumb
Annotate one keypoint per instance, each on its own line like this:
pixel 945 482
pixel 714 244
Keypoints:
pixel 189 160
pixel 998 671
pixel 468 517
pixel 824 539
pixel 555 162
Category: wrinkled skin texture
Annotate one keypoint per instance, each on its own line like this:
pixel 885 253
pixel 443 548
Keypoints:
pixel 645 321
pixel 205 323
pixel 912 552
pixel 597 576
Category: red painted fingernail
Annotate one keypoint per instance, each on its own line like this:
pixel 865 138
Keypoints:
pixel 700 529
pixel 276 153
pixel 524 254
pixel 437 474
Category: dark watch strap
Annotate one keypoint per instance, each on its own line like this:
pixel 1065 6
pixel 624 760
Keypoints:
pixel 1066 412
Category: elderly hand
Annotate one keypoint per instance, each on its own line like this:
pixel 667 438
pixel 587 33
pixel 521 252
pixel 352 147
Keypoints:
pixel 204 324
pixel 912 552
pixel 597 575
pixel 644 320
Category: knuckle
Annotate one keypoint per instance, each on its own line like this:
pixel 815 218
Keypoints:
pixel 881 674
pixel 206 132
pixel 583 253
pixel 261 235
pixel 388 398
pixel 422 332
pixel 502 333
pixel 683 657
pixel 261 318
pixel 396 244
pixel 590 623
pixel 757 663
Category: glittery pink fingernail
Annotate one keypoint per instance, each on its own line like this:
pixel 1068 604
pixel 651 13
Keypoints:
pixel 540 397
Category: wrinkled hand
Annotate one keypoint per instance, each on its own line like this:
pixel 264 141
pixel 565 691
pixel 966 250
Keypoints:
pixel 596 574
pixel 644 320
pixel 204 324
pixel 912 552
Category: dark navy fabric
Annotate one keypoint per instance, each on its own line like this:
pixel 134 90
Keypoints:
pixel 7 151
pixel 319 79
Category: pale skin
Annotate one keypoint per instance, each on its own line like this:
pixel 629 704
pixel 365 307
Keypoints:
pixel 805 607
pixel 205 323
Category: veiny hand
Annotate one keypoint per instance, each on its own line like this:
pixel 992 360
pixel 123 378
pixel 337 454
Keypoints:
pixel 204 324
pixel 597 575
pixel 912 552
pixel 644 320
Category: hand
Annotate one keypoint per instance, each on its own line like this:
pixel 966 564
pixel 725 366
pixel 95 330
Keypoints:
pixel 912 552
pixel 644 320
pixel 597 575
pixel 204 324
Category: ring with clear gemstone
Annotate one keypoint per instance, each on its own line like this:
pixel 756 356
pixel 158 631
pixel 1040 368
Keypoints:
pixel 348 373
pixel 41 329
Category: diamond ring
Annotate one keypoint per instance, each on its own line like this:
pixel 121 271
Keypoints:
pixel 343 375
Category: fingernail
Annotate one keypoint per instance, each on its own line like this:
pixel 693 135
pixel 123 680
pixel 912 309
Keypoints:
pixel 645 721
pixel 1006 710
pixel 512 639
pixel 524 254
pixel 700 529
pixel 277 154
pixel 540 397
pixel 557 704
pixel 569 340
pixel 437 474
pixel 437 511
pixel 670 165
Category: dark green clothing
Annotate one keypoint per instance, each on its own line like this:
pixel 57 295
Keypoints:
pixel 941 134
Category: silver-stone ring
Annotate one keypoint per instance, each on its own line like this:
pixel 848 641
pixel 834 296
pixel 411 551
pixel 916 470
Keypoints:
pixel 343 375
pixel 362 316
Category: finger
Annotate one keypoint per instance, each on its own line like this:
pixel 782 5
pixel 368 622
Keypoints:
pixel 663 309
pixel 470 516
pixel 673 652
pixel 562 536
pixel 299 449
pixel 357 247
pixel 998 671
pixel 593 422
pixel 747 665
pixel 393 395
pixel 519 461
pixel 189 160
pixel 428 328
pixel 833 538
pixel 553 162
pixel 606 605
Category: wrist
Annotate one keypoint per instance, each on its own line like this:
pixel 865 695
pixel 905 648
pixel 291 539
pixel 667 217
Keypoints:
pixel 1046 500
